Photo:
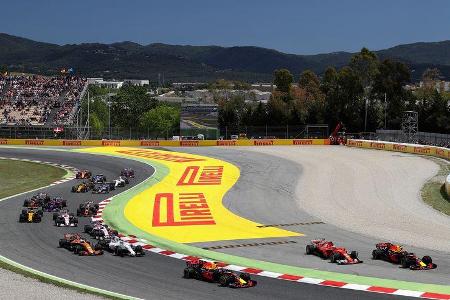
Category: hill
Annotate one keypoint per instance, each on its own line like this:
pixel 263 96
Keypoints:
pixel 195 63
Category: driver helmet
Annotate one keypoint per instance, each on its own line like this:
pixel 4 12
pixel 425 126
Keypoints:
pixel 210 265
pixel 396 248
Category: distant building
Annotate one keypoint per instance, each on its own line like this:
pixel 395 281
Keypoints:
pixel 188 85
pixel 265 87
pixel 440 86
pixel 137 82
pixel 105 84
pixel 248 95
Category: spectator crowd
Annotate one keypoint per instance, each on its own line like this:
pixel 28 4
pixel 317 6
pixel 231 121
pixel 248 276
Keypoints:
pixel 39 100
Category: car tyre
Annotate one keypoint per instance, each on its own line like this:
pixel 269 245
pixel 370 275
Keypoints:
pixel 225 280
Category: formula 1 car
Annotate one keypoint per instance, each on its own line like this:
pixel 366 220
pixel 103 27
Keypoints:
pixel 37 200
pixel 80 246
pixel 100 178
pixel 31 215
pixel 121 248
pixel 127 172
pixel 82 187
pixel 99 231
pixel 64 218
pixel 121 181
pixel 101 189
pixel 87 209
pixel 83 174
pixel 395 254
pixel 33 203
pixel 327 250
pixel 208 271
pixel 55 205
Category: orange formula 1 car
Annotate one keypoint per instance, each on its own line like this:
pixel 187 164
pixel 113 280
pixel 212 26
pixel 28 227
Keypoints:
pixel 80 246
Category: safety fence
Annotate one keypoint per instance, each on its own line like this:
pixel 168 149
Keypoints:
pixel 165 143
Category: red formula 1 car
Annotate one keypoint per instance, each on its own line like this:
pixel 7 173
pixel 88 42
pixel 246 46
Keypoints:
pixel 395 254
pixel 208 271
pixel 328 250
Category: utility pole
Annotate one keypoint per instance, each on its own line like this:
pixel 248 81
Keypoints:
pixel 88 123
pixel 385 111
pixel 365 118
pixel 109 118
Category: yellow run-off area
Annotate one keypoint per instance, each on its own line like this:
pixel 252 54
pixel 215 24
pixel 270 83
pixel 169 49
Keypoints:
pixel 186 206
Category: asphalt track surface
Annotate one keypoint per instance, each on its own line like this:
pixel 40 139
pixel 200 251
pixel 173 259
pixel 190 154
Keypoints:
pixel 266 193
pixel 151 277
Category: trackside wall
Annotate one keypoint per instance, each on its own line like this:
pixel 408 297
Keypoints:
pixel 164 143
pixel 447 186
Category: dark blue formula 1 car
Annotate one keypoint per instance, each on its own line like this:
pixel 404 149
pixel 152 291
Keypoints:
pixel 99 178
pixel 55 205
pixel 102 189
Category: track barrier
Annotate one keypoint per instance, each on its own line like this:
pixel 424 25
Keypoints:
pixel 447 186
pixel 164 143
pixel 401 147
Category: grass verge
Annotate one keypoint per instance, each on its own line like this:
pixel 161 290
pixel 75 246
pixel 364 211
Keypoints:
pixel 20 176
pixel 433 192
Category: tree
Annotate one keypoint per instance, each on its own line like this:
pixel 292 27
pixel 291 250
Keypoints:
pixel 259 115
pixel 430 76
pixel 283 80
pixel 349 102
pixel 163 119
pixel 314 98
pixel 389 82
pixel 96 124
pixel 277 111
pixel 308 80
pixel 129 104
pixel 365 65
pixel 433 109
pixel 3 70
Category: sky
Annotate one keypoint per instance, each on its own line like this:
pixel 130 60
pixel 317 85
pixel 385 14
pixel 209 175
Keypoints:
pixel 292 26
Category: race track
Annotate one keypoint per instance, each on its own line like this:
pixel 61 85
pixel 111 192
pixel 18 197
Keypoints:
pixel 159 277
pixel 362 196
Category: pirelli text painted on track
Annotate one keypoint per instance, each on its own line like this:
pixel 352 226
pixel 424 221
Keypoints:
pixel 186 205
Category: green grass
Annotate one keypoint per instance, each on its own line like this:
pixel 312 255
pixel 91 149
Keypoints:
pixel 20 176
pixel 433 192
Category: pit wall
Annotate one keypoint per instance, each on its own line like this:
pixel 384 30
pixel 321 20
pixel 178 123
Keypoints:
pixel 164 143
pixel 407 148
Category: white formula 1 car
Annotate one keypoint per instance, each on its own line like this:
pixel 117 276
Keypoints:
pixel 121 248
pixel 65 219
pixel 121 182
pixel 99 231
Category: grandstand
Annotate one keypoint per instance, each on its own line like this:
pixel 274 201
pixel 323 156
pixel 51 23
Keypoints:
pixel 40 100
